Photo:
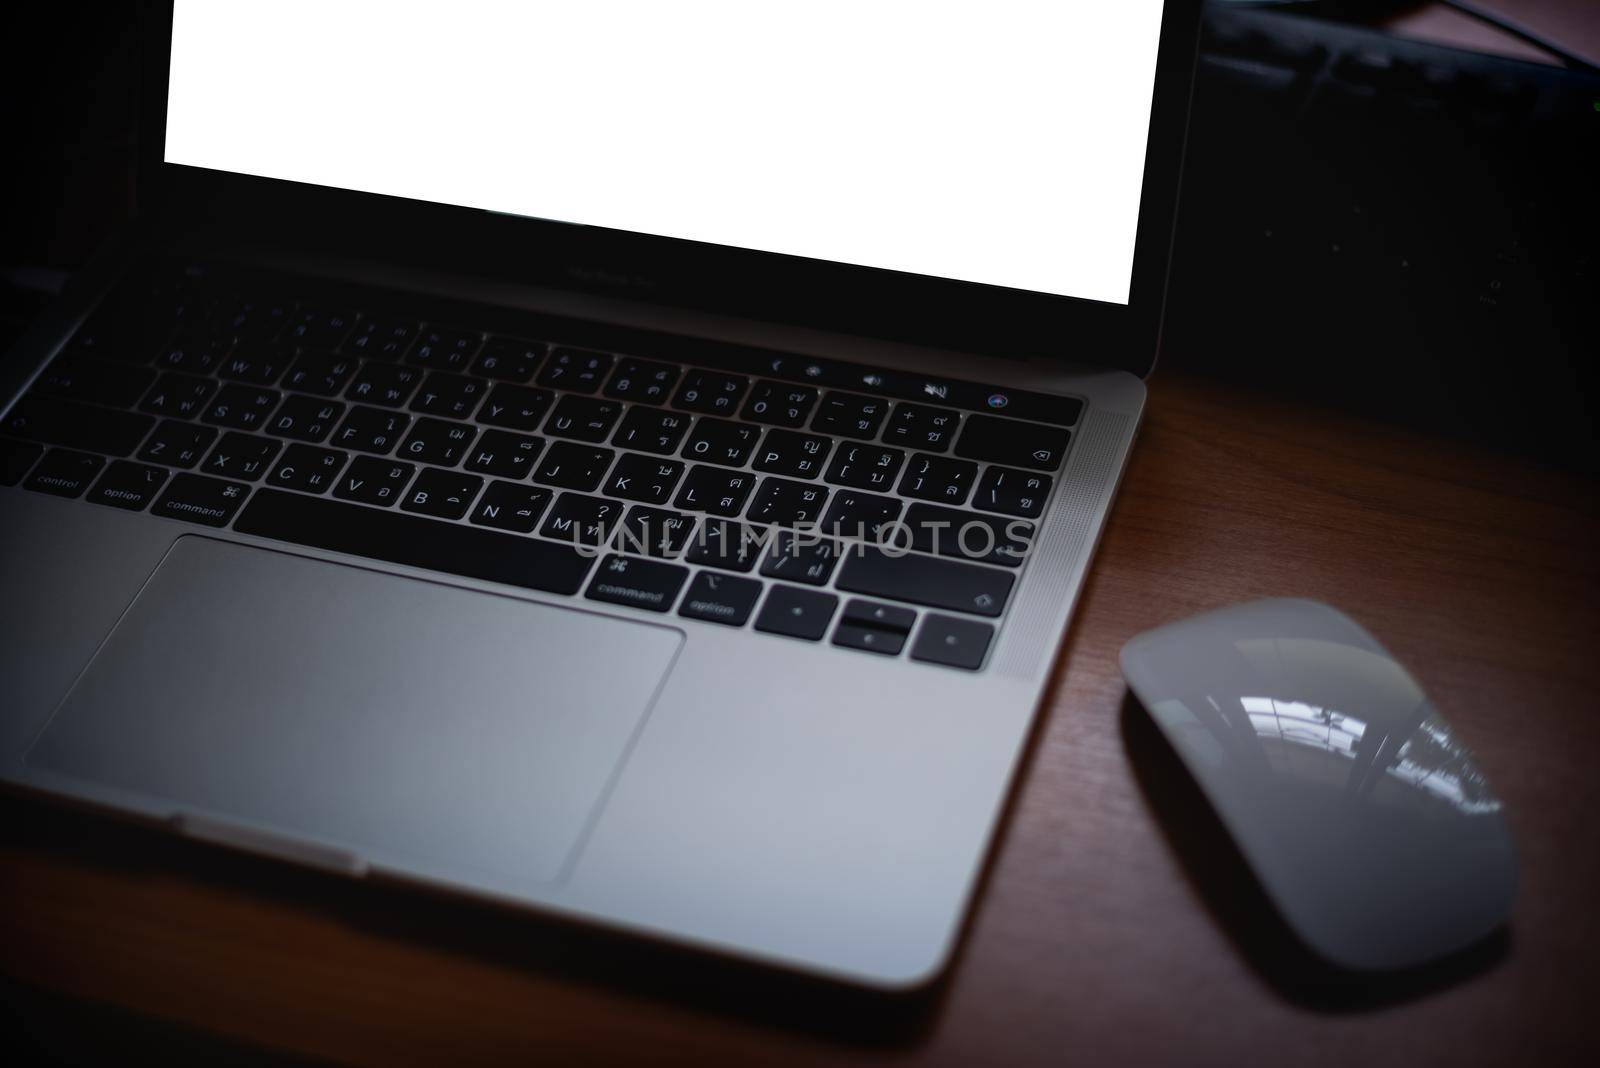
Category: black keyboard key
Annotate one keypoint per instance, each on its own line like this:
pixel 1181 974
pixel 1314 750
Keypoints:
pixel 178 396
pixel 1016 444
pixel 194 353
pixel 177 444
pixel 257 365
pixel 454 396
pixel 442 349
pixel 917 426
pixel 325 374
pixel 786 503
pixel 75 426
pixel 381 339
pixel 128 485
pixel 241 456
pixel 254 319
pixel 718 441
pixel 15 459
pixel 868 467
pixel 372 480
pixel 503 454
pixel 720 598
pixel 129 329
pixel 711 392
pixel 850 415
pixel 729 546
pixel 797 613
pixel 578 370
pixel 1002 489
pixel 515 407
pixel 646 584
pixel 580 520
pixel 388 384
pixel 869 639
pixel 935 478
pixel 780 404
pixel 785 452
pixel 968 535
pixel 320 327
pixel 643 381
pixel 441 494
pixel 241 407
pixel 308 469
pixel 719 492
pixel 583 418
pixel 800 558
pixel 371 430
pixel 957 643
pixel 878 615
pixel 573 466
pixel 929 580
pixel 305 418
pixel 81 378
pixel 434 441
pixel 198 499
pixel 643 478
pixel 509 359
pixel 653 532
pixel 415 542
pixel 858 514
pixel 65 473
pixel 511 506
pixel 650 430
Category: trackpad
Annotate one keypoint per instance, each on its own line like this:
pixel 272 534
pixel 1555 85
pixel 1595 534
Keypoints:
pixel 412 723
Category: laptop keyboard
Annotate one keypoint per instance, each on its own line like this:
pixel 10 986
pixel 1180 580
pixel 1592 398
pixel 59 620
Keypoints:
pixel 725 495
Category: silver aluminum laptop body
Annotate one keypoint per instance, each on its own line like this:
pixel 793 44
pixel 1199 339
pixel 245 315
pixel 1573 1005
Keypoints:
pixel 794 802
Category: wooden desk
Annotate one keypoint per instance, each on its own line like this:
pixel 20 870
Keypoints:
pixel 1113 928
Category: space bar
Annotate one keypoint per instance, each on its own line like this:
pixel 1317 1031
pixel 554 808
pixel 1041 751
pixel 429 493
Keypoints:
pixel 415 542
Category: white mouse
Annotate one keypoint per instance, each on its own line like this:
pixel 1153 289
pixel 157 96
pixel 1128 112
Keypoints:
pixel 1358 808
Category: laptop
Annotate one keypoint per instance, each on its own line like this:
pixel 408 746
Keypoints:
pixel 631 462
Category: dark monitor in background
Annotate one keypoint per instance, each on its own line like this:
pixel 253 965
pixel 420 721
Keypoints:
pixel 1355 204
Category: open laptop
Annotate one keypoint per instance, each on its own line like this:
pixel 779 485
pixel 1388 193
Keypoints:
pixel 629 461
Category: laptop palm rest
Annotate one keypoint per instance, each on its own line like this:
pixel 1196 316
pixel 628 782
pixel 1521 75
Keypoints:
pixel 408 722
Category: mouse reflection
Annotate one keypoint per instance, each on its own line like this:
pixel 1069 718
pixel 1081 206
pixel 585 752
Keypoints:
pixel 1431 760
pixel 1395 752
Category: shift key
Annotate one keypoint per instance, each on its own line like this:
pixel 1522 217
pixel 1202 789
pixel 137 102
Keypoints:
pixel 926 580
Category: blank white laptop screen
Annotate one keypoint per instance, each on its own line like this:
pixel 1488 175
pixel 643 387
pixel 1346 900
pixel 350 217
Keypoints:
pixel 999 142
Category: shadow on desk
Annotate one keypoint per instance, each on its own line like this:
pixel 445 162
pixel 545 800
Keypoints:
pixel 556 949
pixel 1221 878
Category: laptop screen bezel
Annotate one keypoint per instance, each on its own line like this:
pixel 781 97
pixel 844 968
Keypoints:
pixel 961 316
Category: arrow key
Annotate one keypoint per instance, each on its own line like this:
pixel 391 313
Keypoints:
pixel 958 643
pixel 869 639
pixel 797 613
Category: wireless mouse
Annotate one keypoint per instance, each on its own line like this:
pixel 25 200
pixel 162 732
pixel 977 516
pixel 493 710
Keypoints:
pixel 1360 811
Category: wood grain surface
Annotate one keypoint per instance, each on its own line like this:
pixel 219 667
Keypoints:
pixel 1115 925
